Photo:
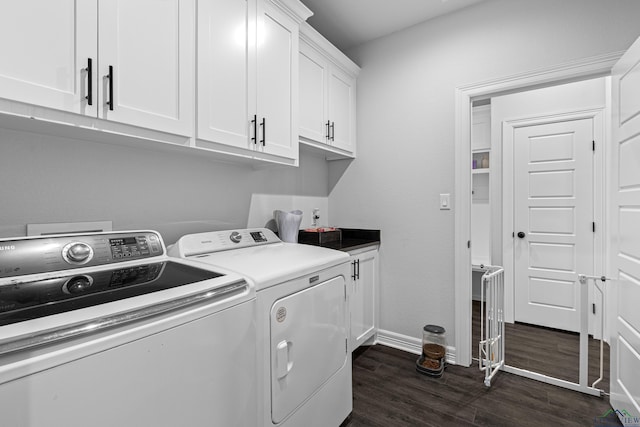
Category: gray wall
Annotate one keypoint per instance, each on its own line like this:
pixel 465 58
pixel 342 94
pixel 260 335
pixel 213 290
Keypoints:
pixel 51 179
pixel 406 131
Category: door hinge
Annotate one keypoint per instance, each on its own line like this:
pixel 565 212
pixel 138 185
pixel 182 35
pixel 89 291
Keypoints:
pixel 469 244
pixel 593 226
pixel 593 308
pixel 593 146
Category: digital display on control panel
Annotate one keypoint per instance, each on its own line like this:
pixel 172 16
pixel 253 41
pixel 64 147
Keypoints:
pixel 127 247
pixel 123 241
pixel 258 236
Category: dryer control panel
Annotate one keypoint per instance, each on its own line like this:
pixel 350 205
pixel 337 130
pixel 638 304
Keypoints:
pixel 216 241
pixel 33 255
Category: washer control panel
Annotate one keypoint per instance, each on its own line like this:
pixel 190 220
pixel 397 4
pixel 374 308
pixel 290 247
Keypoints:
pixel 33 255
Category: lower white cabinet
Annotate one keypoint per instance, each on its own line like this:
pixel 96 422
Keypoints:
pixel 363 303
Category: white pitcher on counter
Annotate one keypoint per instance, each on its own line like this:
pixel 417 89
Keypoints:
pixel 288 224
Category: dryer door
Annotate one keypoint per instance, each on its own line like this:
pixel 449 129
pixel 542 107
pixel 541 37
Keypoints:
pixel 308 344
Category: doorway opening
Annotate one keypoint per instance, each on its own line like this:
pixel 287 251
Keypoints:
pixel 468 194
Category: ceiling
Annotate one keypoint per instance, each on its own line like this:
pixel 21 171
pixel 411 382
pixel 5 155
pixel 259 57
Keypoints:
pixel 348 23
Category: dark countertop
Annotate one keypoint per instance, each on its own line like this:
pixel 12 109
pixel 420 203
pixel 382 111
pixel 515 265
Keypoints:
pixel 352 238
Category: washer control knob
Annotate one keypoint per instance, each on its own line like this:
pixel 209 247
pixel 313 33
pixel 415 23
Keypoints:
pixel 235 237
pixel 77 253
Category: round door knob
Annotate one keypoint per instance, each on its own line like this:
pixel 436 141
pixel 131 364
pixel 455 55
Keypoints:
pixel 521 234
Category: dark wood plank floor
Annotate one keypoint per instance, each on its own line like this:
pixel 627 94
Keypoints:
pixel 388 392
pixel 546 351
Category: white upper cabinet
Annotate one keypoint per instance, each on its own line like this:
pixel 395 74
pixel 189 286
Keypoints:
pixel 342 109
pixel 226 71
pixel 46 45
pixel 140 69
pixel 277 89
pixel 327 96
pixel 105 59
pixel 247 77
pixel 146 69
pixel 313 96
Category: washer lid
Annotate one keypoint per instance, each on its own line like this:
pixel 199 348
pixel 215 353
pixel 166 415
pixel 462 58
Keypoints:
pixel 275 263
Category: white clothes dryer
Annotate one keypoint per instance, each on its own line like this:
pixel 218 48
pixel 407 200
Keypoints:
pixel 304 361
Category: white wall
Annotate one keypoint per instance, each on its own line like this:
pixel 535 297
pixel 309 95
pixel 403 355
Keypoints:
pixel 51 179
pixel 263 205
pixel 406 131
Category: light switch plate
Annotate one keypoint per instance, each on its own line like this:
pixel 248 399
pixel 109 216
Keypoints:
pixel 445 201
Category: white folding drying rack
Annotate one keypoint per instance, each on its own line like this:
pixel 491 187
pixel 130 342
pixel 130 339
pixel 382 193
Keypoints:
pixel 491 347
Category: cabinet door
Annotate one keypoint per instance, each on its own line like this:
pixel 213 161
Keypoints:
pixel 149 46
pixel 277 72
pixel 363 298
pixel 312 96
pixel 342 110
pixel 225 59
pixel 45 45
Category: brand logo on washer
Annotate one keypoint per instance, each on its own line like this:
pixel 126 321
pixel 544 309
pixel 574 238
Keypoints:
pixel 281 314
pixel 7 248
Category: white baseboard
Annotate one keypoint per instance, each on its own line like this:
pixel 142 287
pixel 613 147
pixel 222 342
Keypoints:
pixel 409 344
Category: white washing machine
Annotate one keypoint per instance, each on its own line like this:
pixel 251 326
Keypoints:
pixel 302 321
pixel 104 329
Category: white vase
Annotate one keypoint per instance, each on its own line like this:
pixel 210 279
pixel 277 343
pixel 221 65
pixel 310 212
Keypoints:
pixel 288 225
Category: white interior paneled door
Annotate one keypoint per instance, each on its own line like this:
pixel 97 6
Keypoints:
pixel 553 219
pixel 625 243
